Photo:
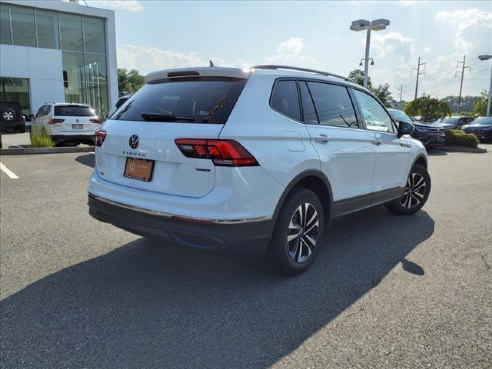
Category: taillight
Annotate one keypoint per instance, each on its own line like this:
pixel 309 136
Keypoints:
pixel 56 120
pixel 100 137
pixel 227 153
pixel 95 120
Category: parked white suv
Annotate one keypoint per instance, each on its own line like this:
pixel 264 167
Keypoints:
pixel 255 159
pixel 66 123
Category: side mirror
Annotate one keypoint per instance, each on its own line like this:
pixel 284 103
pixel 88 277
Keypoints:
pixel 405 128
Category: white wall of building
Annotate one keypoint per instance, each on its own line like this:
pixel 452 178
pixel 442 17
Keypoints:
pixel 44 67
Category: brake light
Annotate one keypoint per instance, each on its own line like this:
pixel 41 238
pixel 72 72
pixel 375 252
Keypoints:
pixel 228 153
pixel 56 120
pixel 95 120
pixel 100 137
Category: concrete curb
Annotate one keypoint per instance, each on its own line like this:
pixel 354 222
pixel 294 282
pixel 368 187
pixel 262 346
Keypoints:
pixel 475 150
pixel 44 150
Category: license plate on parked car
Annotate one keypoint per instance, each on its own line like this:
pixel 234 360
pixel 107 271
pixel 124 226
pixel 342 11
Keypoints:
pixel 77 126
pixel 140 169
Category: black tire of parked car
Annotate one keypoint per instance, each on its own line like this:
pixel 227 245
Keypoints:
pixel 416 193
pixel 295 231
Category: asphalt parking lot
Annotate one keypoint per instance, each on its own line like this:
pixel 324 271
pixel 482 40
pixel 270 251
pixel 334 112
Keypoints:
pixel 386 292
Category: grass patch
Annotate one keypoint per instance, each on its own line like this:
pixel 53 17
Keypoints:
pixel 42 141
pixel 460 138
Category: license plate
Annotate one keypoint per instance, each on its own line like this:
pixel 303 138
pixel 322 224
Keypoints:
pixel 140 169
pixel 77 126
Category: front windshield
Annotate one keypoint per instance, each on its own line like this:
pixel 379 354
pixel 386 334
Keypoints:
pixel 482 121
pixel 399 115
pixel 450 120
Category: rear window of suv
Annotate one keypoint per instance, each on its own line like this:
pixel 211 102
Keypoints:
pixel 190 100
pixel 74 111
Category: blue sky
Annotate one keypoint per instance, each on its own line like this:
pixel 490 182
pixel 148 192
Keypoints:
pixel 153 34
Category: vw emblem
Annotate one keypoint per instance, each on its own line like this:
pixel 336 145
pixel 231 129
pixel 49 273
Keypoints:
pixel 133 141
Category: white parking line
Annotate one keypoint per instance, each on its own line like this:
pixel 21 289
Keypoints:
pixel 8 172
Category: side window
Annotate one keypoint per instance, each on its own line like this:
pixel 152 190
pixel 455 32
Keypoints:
pixel 310 116
pixel 285 100
pixel 373 113
pixel 333 105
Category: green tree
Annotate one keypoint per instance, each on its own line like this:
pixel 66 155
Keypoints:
pixel 480 107
pixel 383 93
pixel 129 81
pixel 357 76
pixel 428 108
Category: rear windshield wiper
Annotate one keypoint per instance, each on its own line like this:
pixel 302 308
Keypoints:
pixel 164 117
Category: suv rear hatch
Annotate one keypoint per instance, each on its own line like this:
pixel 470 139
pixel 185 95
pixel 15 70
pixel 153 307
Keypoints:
pixel 137 147
pixel 74 119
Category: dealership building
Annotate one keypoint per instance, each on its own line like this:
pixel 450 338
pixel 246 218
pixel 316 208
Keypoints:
pixel 57 51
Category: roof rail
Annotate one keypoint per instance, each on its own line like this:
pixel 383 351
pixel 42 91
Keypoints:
pixel 271 66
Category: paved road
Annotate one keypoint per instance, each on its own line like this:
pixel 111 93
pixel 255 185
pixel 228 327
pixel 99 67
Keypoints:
pixel 386 291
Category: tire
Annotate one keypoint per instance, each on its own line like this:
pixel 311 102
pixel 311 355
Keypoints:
pixel 416 193
pixel 22 130
pixel 295 243
pixel 8 115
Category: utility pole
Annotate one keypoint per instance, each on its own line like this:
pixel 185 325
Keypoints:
pixel 418 74
pixel 401 91
pixel 461 84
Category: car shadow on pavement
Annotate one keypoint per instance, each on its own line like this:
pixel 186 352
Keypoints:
pixel 87 159
pixel 146 305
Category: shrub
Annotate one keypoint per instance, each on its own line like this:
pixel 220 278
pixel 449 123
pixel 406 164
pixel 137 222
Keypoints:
pixel 458 137
pixel 41 141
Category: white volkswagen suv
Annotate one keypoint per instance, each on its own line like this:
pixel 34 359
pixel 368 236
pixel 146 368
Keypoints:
pixel 256 159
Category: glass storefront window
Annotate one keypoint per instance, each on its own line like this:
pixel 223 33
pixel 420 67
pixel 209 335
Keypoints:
pixel 94 35
pixel 71 32
pixel 5 34
pixel 16 90
pixel 95 68
pixel 47 29
pixel 23 30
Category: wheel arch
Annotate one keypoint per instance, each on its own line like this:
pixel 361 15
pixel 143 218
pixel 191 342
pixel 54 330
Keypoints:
pixel 420 160
pixel 315 181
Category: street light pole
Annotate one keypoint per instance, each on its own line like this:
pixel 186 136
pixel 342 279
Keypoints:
pixel 486 57
pixel 375 25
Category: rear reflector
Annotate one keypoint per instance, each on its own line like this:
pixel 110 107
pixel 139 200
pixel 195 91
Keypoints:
pixel 228 153
pixel 55 121
pixel 100 137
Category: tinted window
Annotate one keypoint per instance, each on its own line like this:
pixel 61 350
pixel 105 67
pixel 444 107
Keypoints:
pixel 309 112
pixel 398 115
pixel 209 100
pixel 285 99
pixel 333 105
pixel 23 30
pixel 373 113
pixel 483 120
pixel 77 111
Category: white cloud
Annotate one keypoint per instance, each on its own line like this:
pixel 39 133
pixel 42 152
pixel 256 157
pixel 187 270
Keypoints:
pixel 149 59
pixel 473 27
pixel 293 45
pixel 290 52
pixel 392 43
pixel 130 5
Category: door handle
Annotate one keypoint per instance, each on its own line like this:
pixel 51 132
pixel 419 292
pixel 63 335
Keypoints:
pixel 322 138
pixel 376 142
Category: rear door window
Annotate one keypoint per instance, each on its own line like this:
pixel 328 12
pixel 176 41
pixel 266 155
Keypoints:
pixel 333 105
pixel 74 111
pixel 187 100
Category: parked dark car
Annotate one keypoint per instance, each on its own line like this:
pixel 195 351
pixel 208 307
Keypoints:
pixel 11 118
pixel 481 127
pixel 454 122
pixel 429 134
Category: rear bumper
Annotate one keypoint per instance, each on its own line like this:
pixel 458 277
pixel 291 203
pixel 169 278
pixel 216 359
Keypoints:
pixel 12 126
pixel 71 138
pixel 244 236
